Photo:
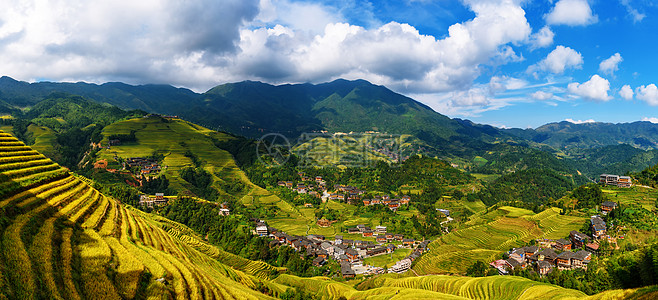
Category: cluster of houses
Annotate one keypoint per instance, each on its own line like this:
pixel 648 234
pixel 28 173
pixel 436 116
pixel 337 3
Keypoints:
pixel 147 166
pixel 349 253
pixel 317 187
pixel 616 180
pixel 380 235
pixel 393 204
pixel 558 254
pixel 545 257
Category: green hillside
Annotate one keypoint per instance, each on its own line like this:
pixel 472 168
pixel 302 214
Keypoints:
pixel 181 145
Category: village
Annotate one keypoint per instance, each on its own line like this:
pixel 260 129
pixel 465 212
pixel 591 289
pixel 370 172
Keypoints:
pixel 561 254
pixel 349 253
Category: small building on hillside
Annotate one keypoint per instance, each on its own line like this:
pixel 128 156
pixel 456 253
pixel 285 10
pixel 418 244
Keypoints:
pixel 608 206
pixel 401 266
pixel 598 227
pixel 261 229
pixel 346 270
pixel 563 245
pixel 616 180
pixel 150 201
pixel 578 239
pixel 544 267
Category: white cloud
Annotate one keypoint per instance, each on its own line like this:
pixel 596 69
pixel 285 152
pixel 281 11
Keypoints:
pixel 394 54
pixel 503 83
pixel 572 13
pixel 636 15
pixel 651 119
pixel 596 88
pixel 560 59
pixel 648 93
pixel 580 121
pixel 611 64
pixel 626 92
pixel 202 43
pixel 472 97
pixel 133 41
pixel 542 38
pixel 300 16
pixel 541 95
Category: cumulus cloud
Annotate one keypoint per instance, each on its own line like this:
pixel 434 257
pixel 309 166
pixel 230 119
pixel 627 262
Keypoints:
pixel 199 44
pixel 393 54
pixel 580 121
pixel 542 38
pixel 596 88
pixel 626 92
pixel 560 59
pixel 648 94
pixel 134 41
pixel 651 119
pixel 611 64
pixel 541 95
pixel 572 13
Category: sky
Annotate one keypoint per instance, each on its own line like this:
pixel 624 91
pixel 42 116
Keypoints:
pixel 507 63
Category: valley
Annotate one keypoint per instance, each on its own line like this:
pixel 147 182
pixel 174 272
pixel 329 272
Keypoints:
pixel 441 204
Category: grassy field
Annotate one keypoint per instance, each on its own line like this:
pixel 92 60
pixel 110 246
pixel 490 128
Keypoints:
pixel 387 260
pixel 487 236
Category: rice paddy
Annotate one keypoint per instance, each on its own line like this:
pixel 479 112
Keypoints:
pixel 62 239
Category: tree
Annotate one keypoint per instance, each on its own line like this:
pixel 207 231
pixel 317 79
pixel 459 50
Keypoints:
pixel 477 269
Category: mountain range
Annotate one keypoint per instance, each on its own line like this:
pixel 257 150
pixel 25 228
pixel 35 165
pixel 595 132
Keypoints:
pixel 252 109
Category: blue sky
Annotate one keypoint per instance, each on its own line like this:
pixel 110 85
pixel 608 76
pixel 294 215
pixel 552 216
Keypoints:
pixel 509 63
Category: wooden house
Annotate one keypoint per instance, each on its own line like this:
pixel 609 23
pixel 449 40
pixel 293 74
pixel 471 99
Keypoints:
pixel 562 245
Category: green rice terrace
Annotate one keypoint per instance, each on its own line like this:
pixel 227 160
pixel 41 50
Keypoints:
pixel 488 235
pixel 62 239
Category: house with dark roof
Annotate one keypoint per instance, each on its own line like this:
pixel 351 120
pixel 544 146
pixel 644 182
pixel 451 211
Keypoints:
pixel 319 262
pixel 608 206
pixel 598 227
pixel 580 259
pixel 376 251
pixel 578 239
pixel 563 245
pixel 544 267
pixel 352 254
pixel 563 261
pixel 547 255
pixel 346 270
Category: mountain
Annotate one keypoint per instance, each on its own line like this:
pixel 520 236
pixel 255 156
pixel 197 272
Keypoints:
pixel 252 109
pixel 151 97
pixel 567 135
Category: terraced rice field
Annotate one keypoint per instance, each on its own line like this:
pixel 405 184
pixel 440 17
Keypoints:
pixel 62 239
pixel 173 138
pixel 490 235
